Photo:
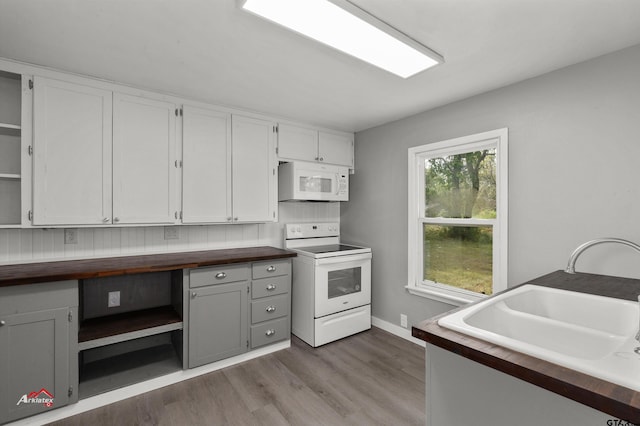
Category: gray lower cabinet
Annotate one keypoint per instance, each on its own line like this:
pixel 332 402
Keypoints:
pixel 218 313
pixel 38 348
pixel 270 302
pixel 234 308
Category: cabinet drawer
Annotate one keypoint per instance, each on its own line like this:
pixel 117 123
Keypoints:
pixel 271 269
pixel 269 308
pixel 269 332
pixel 217 275
pixel 270 286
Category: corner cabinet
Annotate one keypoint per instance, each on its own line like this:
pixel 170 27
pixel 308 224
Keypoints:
pixel 307 144
pixel 38 346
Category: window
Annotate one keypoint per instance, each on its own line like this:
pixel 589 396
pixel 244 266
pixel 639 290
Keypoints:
pixel 458 218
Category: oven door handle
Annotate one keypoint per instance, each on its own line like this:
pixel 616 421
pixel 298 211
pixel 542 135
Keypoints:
pixel 343 258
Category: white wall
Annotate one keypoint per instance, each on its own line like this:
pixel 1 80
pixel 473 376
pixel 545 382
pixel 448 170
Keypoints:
pixel 574 175
pixel 29 245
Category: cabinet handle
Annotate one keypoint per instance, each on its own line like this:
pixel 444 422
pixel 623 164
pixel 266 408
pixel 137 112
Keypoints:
pixel 105 220
pixel 3 322
pixel 270 308
pixel 221 275
pixel 271 287
pixel 271 268
pixel 116 219
pixel 321 158
pixel 235 219
pixel 270 332
pixel 229 219
pixel 194 295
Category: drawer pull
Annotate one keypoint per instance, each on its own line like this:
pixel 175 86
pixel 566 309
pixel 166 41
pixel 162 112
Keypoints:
pixel 3 322
pixel 270 308
pixel 270 332
pixel 271 268
pixel 194 295
pixel 221 275
pixel 271 287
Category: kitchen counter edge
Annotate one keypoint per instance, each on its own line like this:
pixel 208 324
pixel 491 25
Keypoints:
pixel 39 272
pixel 604 396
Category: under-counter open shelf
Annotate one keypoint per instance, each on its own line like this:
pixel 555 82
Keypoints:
pixel 152 357
pixel 10 129
pixel 101 331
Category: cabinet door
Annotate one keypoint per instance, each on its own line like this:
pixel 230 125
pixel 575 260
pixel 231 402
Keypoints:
pixel 336 148
pixel 144 169
pixel 72 154
pixel 206 168
pixel 253 170
pixel 297 143
pixel 34 362
pixel 218 322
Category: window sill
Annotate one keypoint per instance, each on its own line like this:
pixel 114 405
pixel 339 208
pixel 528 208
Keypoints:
pixel 444 296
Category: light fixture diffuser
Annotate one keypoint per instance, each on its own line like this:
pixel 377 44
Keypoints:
pixel 345 27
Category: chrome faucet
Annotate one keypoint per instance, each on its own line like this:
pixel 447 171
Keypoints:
pixel 571 265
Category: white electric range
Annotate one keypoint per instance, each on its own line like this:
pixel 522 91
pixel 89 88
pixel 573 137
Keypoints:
pixel 331 283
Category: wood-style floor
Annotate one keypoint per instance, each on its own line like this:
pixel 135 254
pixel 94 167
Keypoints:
pixel 372 378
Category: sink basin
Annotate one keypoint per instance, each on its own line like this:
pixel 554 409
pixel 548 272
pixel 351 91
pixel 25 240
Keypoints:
pixel 584 332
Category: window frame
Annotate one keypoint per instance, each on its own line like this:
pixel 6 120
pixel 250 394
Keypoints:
pixel 417 285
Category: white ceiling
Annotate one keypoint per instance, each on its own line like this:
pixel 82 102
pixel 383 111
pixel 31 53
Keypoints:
pixel 212 51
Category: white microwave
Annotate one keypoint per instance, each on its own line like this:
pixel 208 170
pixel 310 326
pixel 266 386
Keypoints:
pixel 301 180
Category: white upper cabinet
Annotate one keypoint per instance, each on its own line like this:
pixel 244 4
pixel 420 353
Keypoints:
pixel 71 154
pixel 297 143
pixel 335 148
pixel 144 160
pixel 206 169
pixel 306 144
pixel 253 169
pixel 76 151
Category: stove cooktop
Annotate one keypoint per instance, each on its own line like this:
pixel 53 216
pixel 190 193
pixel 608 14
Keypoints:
pixel 330 248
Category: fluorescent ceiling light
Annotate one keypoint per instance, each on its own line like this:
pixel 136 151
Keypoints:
pixel 351 30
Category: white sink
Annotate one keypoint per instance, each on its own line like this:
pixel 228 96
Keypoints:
pixel 584 332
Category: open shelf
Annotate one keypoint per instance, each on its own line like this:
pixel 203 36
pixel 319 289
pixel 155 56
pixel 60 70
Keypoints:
pixel 126 369
pixel 10 129
pixel 107 330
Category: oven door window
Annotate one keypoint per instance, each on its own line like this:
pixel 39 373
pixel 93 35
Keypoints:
pixel 344 281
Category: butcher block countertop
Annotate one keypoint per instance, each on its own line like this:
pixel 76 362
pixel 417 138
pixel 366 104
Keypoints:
pixel 31 273
pixel 604 396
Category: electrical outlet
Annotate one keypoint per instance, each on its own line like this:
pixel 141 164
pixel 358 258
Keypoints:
pixel 403 320
pixel 171 233
pixel 71 236
pixel 114 299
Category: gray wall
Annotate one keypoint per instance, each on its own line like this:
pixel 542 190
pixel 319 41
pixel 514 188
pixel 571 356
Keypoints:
pixel 574 157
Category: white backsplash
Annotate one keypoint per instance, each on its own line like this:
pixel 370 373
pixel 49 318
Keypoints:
pixel 33 245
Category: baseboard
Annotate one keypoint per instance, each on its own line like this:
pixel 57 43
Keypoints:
pixel 397 330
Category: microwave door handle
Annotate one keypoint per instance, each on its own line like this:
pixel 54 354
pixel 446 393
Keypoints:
pixel 337 184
